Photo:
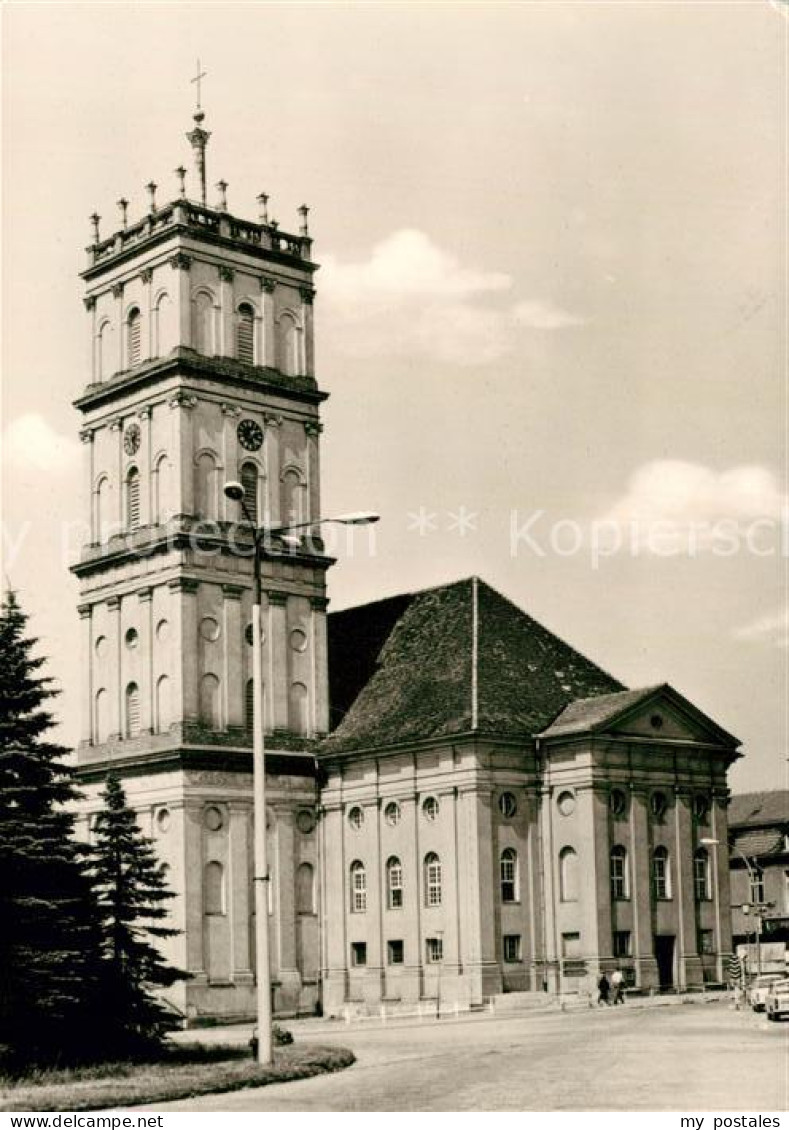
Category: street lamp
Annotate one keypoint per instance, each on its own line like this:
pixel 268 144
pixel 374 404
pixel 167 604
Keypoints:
pixel 758 907
pixel 235 492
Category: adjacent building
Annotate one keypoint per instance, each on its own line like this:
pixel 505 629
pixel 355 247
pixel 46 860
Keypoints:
pixel 759 876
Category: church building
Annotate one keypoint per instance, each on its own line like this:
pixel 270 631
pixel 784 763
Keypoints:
pixel 459 803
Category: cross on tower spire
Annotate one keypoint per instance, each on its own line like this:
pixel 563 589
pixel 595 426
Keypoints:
pixel 200 75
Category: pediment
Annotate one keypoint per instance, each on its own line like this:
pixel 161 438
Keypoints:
pixel 667 716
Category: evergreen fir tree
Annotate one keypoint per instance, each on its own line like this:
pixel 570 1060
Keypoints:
pixel 132 894
pixel 49 943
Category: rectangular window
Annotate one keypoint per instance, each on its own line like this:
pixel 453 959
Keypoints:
pixel 621 943
pixel 435 950
pixel 757 885
pixel 706 941
pixel 571 946
pixel 358 953
pixel 394 952
pixel 512 947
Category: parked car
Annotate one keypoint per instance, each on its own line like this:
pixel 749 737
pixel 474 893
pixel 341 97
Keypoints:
pixel 777 1003
pixel 759 988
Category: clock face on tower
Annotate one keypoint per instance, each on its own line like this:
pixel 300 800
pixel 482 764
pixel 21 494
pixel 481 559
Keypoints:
pixel 250 435
pixel 131 439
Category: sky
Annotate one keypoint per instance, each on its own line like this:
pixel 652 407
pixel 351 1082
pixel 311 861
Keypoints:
pixel 550 315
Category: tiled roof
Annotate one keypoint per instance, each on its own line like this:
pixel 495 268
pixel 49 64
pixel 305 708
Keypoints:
pixel 756 842
pixel 401 669
pixel 759 809
pixel 589 713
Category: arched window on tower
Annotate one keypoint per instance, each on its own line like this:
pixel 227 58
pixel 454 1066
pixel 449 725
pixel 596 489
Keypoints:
pixel 214 891
pixel 132 499
pixel 210 705
pixel 568 875
pixel 162 333
pixel 163 717
pixel 288 361
pixel 132 726
pixel 102 509
pixel 101 727
pixel 291 498
pixel 508 866
pixel 104 351
pixel 245 334
pixel 249 481
pixel 305 889
pixel 206 485
pixel 160 491
pixel 299 709
pixel 133 337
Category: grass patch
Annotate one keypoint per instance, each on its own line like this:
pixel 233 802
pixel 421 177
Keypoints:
pixel 183 1070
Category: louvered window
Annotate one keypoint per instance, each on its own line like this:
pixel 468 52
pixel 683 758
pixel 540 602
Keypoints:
pixel 134 340
pixel 133 499
pixel 132 710
pixel 245 335
pixel 249 481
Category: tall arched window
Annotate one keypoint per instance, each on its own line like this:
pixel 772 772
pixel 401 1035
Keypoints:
pixel 203 324
pixel 701 874
pixel 132 727
pixel 305 889
pixel 160 491
pixel 432 879
pixel 661 873
pixel 568 875
pixel 394 883
pixel 104 351
pixel 163 718
pixel 619 881
pixel 101 724
pixel 298 709
pixel 508 874
pixel 210 706
pixel 245 334
pixel 102 508
pixel 133 337
pixel 132 499
pixel 249 481
pixel 162 336
pixel 206 480
pixel 291 498
pixel 358 887
pixel 214 888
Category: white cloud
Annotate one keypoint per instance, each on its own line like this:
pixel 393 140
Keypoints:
pixel 411 298
pixel 772 629
pixel 31 443
pixel 672 506
pixel 676 491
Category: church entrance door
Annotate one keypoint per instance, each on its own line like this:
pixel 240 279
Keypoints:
pixel 664 955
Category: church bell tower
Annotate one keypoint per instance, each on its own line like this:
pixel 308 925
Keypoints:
pixel 202 371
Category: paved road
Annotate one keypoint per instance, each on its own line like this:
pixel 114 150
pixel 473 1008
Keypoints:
pixel 700 1057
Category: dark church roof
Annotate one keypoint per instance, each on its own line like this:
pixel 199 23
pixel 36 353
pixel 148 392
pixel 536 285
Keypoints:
pixel 445 661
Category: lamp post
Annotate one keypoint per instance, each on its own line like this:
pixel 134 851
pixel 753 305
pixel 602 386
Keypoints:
pixel 757 907
pixel 235 492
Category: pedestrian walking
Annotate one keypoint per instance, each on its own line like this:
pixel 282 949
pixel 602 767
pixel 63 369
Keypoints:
pixel 603 989
pixel 618 986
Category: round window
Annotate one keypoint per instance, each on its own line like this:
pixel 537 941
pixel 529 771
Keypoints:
pixel 658 803
pixel 565 803
pixel 213 819
pixel 617 802
pixel 656 722
pixel 356 818
pixel 430 808
pixel 305 821
pixel 209 629
pixel 392 813
pixel 131 638
pixel 298 640
pixel 508 805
